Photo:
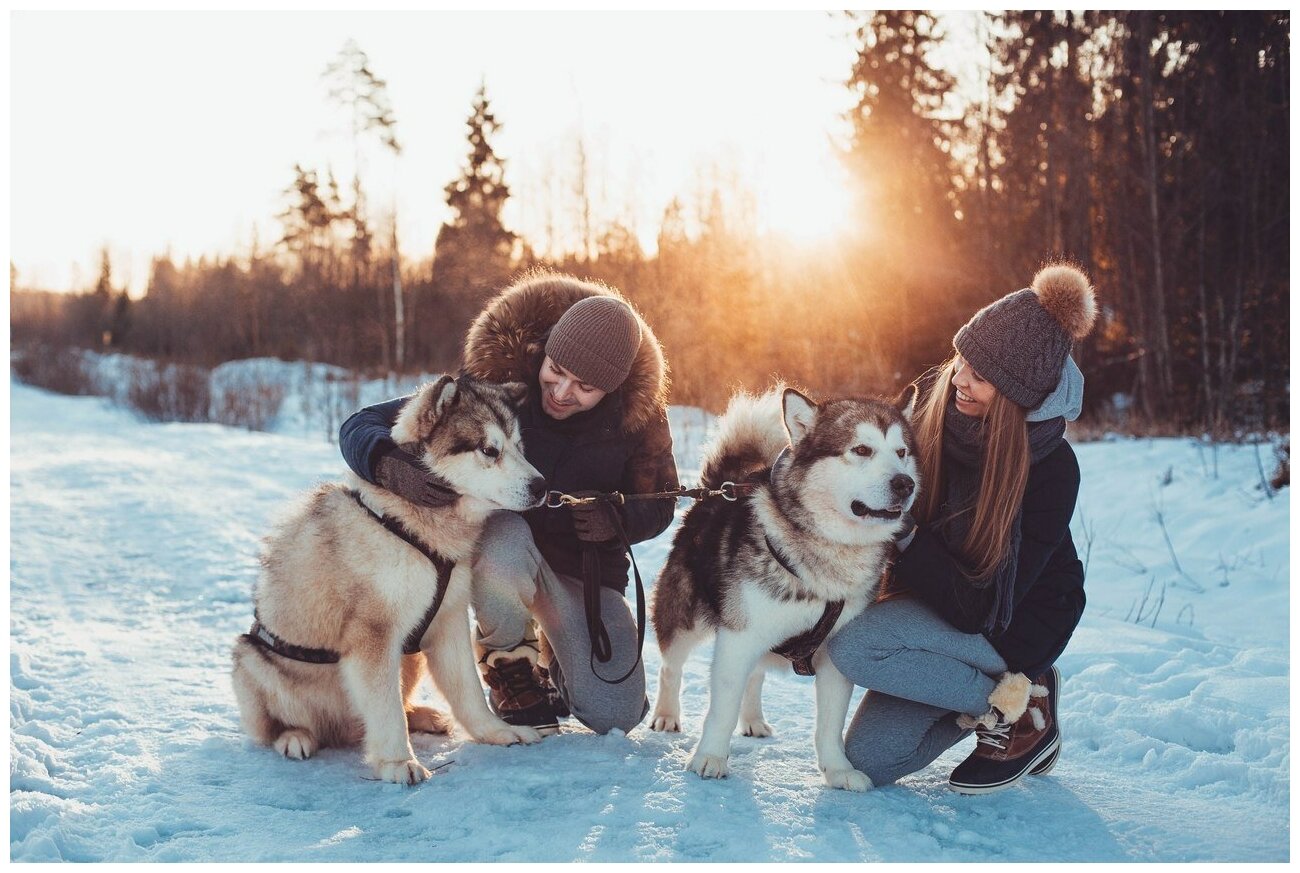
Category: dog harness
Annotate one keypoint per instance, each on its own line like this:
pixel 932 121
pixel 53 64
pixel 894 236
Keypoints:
pixel 800 648
pixel 263 637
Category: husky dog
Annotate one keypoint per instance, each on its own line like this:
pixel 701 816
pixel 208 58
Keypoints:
pixel 338 581
pixel 817 529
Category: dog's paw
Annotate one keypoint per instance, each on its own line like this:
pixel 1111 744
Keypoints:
pixel 296 743
pixel 669 723
pixel 424 719
pixel 708 766
pixel 755 728
pixel 503 734
pixel 408 772
pixel 848 779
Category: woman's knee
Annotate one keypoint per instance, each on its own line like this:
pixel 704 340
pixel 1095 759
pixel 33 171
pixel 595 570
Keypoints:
pixel 861 644
pixel 868 756
pixel 885 737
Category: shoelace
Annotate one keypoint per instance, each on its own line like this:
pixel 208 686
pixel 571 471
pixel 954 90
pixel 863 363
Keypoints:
pixel 991 736
pixel 518 679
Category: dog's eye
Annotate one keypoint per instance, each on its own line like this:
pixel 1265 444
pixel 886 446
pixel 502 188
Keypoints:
pixel 490 451
pixel 902 453
pixel 863 451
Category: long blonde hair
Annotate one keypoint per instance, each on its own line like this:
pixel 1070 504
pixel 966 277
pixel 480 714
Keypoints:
pixel 1004 469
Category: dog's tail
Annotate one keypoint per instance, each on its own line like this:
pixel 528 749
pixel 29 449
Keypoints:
pixel 750 435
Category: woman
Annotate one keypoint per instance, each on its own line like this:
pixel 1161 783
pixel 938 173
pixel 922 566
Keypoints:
pixel 987 588
pixel 595 419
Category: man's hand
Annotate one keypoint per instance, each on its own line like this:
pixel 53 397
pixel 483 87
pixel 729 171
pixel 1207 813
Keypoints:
pixel 400 472
pixel 593 522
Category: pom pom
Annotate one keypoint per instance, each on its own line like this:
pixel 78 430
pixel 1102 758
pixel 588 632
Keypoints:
pixel 1067 294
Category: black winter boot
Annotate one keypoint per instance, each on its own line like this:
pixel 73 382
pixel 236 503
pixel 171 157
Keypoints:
pixel 1005 751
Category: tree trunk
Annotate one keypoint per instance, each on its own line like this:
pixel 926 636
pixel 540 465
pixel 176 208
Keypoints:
pixel 399 315
pixel 1158 339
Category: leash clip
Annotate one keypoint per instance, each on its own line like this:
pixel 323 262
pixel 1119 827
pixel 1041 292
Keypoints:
pixel 728 491
pixel 558 499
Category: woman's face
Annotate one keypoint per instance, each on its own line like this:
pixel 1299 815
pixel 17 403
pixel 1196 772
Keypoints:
pixel 564 394
pixel 974 395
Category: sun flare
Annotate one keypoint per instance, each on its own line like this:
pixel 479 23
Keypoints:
pixel 807 203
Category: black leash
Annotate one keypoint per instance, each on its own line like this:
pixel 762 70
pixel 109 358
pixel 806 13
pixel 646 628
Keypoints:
pixel 602 649
pixel 731 491
pixel 262 635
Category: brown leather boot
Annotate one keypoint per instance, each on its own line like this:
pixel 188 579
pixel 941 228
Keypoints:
pixel 1007 751
pixel 516 695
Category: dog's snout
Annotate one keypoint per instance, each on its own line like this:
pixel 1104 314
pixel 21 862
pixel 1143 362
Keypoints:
pixel 537 488
pixel 902 485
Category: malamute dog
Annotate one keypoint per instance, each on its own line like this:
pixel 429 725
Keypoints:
pixel 760 571
pixel 355 575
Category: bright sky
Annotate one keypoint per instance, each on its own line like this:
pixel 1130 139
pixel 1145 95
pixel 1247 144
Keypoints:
pixel 151 130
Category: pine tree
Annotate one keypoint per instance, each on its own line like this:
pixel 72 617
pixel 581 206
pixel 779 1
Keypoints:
pixel 899 153
pixel 354 86
pixel 308 222
pixel 473 253
pixel 909 265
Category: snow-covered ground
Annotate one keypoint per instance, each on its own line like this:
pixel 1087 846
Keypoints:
pixel 133 552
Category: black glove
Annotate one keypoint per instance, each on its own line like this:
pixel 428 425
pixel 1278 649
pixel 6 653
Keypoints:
pixel 400 472
pixel 593 522
pixel 903 538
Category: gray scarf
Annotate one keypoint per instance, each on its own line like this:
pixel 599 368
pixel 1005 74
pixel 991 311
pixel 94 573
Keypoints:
pixel 963 442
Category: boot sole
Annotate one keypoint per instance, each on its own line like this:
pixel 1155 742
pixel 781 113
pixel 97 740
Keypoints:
pixel 1046 767
pixel 990 788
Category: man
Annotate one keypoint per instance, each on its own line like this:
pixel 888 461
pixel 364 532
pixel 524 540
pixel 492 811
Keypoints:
pixel 595 420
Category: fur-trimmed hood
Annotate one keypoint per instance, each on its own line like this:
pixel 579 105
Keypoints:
pixel 506 342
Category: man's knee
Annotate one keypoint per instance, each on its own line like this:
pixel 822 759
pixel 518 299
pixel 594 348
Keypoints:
pixel 505 549
pixel 624 712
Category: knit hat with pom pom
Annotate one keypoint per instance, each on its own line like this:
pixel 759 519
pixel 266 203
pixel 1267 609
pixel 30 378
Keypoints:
pixel 1020 343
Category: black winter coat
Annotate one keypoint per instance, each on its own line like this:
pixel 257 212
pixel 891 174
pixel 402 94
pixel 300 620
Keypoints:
pixel 623 444
pixel 1048 593
pixel 585 452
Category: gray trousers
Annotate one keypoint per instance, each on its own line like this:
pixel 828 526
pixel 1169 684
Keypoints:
pixel 922 672
pixel 513 583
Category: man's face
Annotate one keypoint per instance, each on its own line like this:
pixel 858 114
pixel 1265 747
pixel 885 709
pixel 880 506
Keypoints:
pixel 564 394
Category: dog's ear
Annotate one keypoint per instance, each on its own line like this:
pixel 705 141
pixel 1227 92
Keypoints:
pixel 906 401
pixel 516 392
pixel 446 393
pixel 799 414
pixel 421 413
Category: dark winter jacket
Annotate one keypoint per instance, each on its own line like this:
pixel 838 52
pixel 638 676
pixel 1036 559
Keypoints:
pixel 623 444
pixel 1048 593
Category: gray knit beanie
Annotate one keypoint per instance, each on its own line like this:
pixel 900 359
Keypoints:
pixel 596 340
pixel 1020 343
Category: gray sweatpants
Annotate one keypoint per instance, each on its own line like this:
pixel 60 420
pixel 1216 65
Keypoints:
pixel 512 582
pixel 922 672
